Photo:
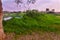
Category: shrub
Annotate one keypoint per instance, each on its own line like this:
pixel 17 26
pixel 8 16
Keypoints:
pixel 32 13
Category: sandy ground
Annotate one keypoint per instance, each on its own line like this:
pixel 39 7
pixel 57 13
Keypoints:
pixel 34 36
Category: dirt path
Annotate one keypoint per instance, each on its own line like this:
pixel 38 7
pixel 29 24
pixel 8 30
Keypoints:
pixel 34 36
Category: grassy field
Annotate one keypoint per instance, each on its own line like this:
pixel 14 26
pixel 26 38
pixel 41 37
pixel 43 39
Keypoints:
pixel 32 25
pixel 32 22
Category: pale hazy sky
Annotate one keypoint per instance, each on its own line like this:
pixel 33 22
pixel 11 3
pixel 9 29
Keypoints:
pixel 10 5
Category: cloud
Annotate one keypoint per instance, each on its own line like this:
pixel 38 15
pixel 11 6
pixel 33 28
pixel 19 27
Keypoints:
pixel 40 5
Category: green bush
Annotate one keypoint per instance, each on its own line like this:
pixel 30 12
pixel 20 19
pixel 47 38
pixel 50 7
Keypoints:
pixel 32 13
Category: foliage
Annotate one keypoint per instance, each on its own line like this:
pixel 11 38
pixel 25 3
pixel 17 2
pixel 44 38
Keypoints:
pixel 32 13
pixel 32 22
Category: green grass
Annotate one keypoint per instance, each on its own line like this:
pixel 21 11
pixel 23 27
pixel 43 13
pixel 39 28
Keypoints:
pixel 13 14
pixel 32 23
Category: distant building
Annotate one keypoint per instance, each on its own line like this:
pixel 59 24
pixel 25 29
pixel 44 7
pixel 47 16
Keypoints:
pixel 48 11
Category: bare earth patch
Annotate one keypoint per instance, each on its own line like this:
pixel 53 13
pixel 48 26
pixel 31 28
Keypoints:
pixel 34 36
pixel 58 16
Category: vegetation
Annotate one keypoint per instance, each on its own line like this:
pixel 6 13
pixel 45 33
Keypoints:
pixel 32 21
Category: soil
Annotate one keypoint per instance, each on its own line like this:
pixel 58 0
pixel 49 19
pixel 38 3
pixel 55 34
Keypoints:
pixel 34 36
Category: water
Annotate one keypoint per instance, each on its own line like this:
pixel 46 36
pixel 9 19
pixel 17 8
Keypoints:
pixel 7 18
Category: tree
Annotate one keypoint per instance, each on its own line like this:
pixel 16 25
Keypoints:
pixel 28 2
pixel 31 1
pixel 2 35
pixel 53 10
pixel 18 1
pixel 47 10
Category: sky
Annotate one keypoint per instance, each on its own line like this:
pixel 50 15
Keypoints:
pixel 41 5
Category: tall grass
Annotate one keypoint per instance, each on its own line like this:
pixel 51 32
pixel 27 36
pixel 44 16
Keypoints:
pixel 32 22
